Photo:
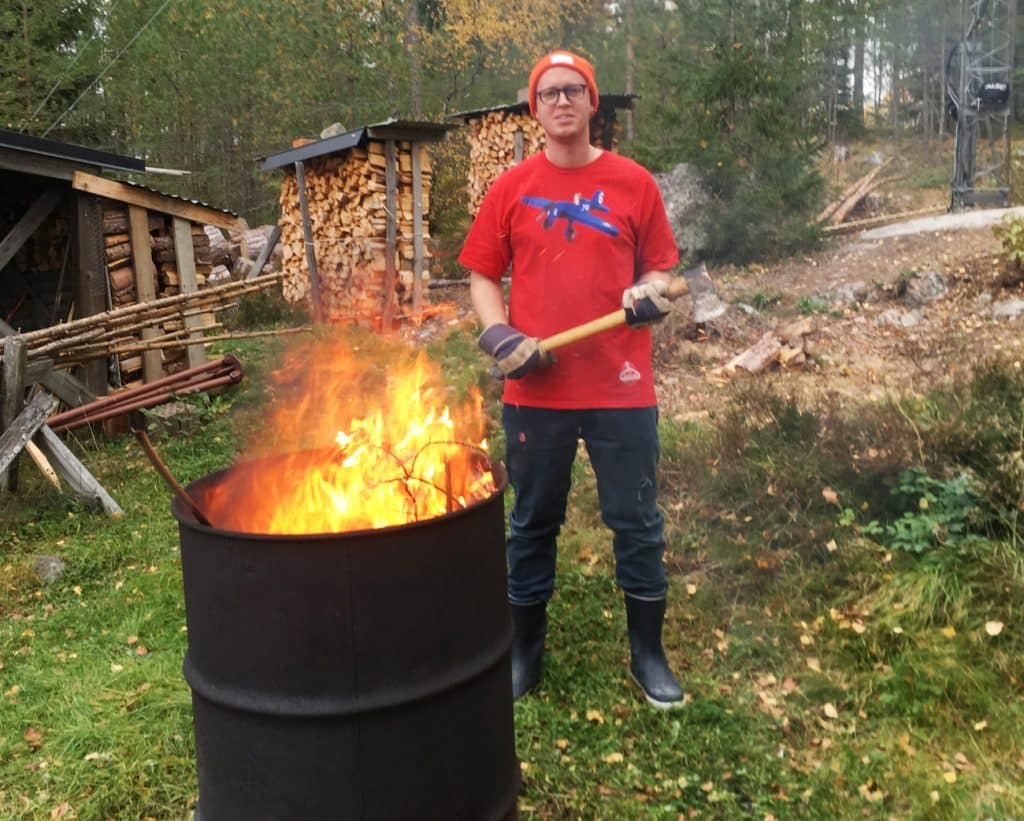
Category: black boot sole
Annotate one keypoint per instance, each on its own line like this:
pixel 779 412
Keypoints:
pixel 655 703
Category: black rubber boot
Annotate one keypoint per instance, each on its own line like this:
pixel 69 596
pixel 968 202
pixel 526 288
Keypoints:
pixel 531 625
pixel 650 670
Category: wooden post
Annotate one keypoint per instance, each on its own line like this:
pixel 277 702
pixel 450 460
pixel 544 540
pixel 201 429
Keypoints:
pixel 307 236
pixel 79 479
pixel 268 249
pixel 90 278
pixel 12 400
pixel 32 417
pixel 417 234
pixel 517 148
pixel 145 284
pixel 391 241
pixel 185 255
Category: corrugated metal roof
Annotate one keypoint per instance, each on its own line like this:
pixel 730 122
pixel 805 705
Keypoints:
pixel 68 152
pixel 605 101
pixel 178 197
pixel 388 130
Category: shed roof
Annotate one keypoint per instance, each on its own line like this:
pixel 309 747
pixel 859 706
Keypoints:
pixel 15 146
pixel 388 130
pixel 523 107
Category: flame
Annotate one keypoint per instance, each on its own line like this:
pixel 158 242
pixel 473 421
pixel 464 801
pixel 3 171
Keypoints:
pixel 358 438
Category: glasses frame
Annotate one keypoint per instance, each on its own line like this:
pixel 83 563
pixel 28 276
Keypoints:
pixel 573 93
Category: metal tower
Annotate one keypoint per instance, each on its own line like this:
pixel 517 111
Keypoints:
pixel 979 72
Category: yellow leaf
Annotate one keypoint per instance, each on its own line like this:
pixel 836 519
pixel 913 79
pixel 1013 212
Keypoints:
pixel 613 758
pixel 830 495
pixel 980 725
pixel 806 640
pixel 830 710
pixel 949 777
pixel 949 632
pixel 814 664
pixel 60 810
pixel 562 743
pixel 116 668
pixel 595 716
pixel 993 628
pixel 691 589
pixel 831 546
pixel 131 640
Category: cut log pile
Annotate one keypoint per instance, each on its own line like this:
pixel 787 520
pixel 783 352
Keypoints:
pixel 499 139
pixel 788 347
pixel 838 210
pixel 347 202
pixel 494 141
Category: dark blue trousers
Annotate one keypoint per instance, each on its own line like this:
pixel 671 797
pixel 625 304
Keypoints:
pixel 623 448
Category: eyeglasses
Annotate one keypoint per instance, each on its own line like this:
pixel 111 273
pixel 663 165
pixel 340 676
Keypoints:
pixel 573 93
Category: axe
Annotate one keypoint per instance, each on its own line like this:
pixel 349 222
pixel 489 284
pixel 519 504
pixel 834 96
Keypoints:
pixel 695 281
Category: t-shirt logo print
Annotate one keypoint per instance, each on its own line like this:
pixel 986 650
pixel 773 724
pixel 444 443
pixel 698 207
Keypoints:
pixel 629 373
pixel 578 211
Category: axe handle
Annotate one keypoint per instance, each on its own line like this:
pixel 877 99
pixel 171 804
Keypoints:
pixel 676 288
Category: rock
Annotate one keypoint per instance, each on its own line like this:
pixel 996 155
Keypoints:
pixel 171 419
pixel 333 130
pixel 900 319
pixel 845 293
pixel 49 569
pixel 1008 309
pixel 923 288
pixel 686 198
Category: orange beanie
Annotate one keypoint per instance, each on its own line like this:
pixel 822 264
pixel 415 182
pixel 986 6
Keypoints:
pixel 562 59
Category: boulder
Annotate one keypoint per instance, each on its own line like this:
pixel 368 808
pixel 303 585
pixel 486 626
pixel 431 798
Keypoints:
pixel 686 197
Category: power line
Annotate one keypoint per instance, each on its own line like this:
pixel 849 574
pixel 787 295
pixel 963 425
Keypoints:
pixel 67 71
pixel 99 76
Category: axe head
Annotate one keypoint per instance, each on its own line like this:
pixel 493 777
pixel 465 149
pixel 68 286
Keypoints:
pixel 706 304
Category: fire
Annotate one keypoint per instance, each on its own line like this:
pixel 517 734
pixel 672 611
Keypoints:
pixel 355 439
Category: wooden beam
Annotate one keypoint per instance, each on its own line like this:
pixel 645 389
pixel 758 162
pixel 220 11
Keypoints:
pixel 145 284
pixel 24 427
pixel 307 238
pixel 186 258
pixel 90 287
pixel 391 196
pixel 417 234
pixel 268 249
pixel 79 479
pixel 29 222
pixel 155 201
pixel 12 400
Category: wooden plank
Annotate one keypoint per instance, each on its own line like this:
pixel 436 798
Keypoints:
pixel 68 389
pixel 417 234
pixel 268 249
pixel 38 165
pixel 79 479
pixel 29 222
pixel 145 284
pixel 154 201
pixel 307 237
pixel 23 428
pixel 12 401
pixel 391 189
pixel 90 278
pixel 186 261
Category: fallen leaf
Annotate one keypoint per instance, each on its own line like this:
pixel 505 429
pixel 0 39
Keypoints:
pixel 830 710
pixel 141 650
pixel 131 640
pixel 993 628
pixel 980 725
pixel 813 664
pixel 949 632
pixel 562 743
pixel 949 777
pixel 831 546
pixel 691 589
pixel 116 668
pixel 613 758
pixel 60 810
pixel 830 495
pixel 595 716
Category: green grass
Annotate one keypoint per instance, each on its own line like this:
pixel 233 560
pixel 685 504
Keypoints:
pixel 829 675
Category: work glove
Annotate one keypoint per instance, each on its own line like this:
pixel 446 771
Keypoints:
pixel 646 303
pixel 516 353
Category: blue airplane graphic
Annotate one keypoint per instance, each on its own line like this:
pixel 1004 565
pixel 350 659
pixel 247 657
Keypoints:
pixel 580 210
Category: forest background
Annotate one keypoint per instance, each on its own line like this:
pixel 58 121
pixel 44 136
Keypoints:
pixel 748 91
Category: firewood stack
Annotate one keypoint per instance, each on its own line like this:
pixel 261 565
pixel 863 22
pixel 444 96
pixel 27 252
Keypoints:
pixel 117 242
pixel 495 139
pixel 492 148
pixel 347 200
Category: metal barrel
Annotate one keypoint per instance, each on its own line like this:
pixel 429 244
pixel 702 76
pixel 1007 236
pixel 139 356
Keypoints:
pixel 361 675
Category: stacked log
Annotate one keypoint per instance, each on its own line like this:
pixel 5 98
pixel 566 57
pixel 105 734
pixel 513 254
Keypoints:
pixel 495 139
pixel 121 274
pixel 347 201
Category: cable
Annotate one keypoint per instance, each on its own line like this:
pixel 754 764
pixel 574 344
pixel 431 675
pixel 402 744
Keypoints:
pixel 67 71
pixel 99 76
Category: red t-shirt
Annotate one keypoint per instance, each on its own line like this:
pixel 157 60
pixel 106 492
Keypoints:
pixel 575 238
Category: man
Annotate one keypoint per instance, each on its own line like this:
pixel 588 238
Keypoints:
pixel 584 232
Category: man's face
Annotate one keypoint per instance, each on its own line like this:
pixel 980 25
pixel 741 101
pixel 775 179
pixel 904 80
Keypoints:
pixel 563 118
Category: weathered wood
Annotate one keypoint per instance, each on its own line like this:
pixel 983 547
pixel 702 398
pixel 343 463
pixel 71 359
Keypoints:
pixel 79 479
pixel 196 354
pixel 23 428
pixel 29 222
pixel 12 399
pixel 755 359
pixel 32 449
pixel 391 193
pixel 90 278
pixel 307 234
pixel 144 198
pixel 268 249
pixel 417 233
pixel 145 283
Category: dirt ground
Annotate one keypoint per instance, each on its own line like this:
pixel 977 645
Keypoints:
pixel 854 354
